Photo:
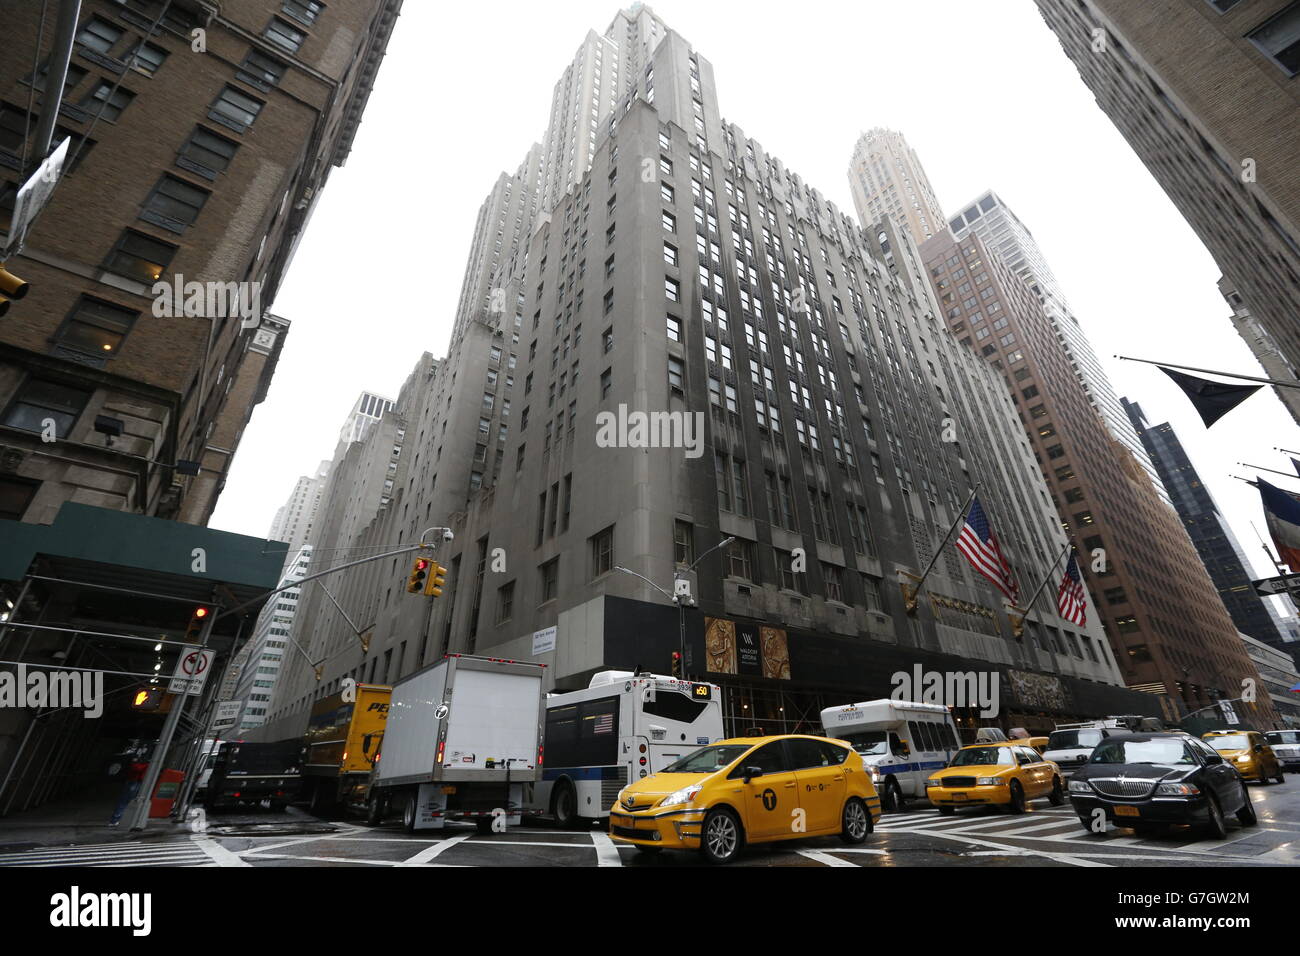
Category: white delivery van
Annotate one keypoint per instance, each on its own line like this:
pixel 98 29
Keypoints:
pixel 463 741
pixel 901 743
pixel 1070 745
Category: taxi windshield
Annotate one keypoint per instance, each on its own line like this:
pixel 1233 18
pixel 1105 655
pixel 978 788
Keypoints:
pixel 1229 742
pixel 869 742
pixel 975 756
pixel 707 759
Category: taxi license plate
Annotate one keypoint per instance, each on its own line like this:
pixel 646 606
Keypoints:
pixel 959 796
pixel 1126 811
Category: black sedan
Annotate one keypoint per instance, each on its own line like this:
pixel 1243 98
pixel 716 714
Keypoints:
pixel 1151 781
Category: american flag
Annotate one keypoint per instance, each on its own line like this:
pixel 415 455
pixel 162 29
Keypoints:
pixel 1071 601
pixel 980 547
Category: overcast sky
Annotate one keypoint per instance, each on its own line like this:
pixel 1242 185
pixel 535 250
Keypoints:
pixel 982 91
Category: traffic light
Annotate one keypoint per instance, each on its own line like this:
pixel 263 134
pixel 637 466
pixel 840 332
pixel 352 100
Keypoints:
pixel 195 627
pixel 12 288
pixel 419 569
pixel 433 587
pixel 147 698
pixel 677 664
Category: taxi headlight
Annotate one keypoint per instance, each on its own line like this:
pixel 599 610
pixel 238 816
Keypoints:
pixel 1242 758
pixel 684 795
pixel 989 782
pixel 1080 786
pixel 934 782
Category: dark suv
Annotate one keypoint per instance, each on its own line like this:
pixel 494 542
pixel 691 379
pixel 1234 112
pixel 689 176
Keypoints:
pixel 1150 781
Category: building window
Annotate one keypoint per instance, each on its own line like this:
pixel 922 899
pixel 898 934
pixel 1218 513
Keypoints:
pixel 95 328
pixel 106 102
pixel 1279 39
pixel 284 35
pixel 740 559
pixel 174 204
pixel 674 328
pixel 99 35
pixel 550 578
pixel 602 552
pixel 140 257
pixel 606 382
pixel 670 254
pixel 235 109
pixel 834 587
pixel 683 543
pixel 672 290
pixel 38 400
pixel 206 153
pixel 676 375
pixel 261 70
pixel 505 602
pixel 304 11
pixel 147 58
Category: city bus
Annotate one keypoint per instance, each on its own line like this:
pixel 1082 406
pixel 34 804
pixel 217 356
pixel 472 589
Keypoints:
pixel 622 727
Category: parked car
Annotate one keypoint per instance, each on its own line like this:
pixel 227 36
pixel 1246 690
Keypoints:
pixel 749 790
pixel 1286 746
pixel 1008 774
pixel 1249 752
pixel 1151 781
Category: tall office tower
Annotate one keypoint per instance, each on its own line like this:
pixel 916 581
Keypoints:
pixel 1205 92
pixel 888 180
pixel 263 657
pixel 1163 616
pixel 367 411
pixel 1264 349
pixel 1001 230
pixel 184 168
pixel 293 520
pixel 1217 545
pixel 825 421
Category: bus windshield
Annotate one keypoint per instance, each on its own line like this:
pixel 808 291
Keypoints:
pixel 871 743
pixel 707 759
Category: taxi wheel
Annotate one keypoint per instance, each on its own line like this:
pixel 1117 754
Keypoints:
pixel 1281 774
pixel 1017 803
pixel 1263 780
pixel 1246 815
pixel 648 850
pixel 721 836
pixel 855 820
pixel 1057 796
pixel 1216 828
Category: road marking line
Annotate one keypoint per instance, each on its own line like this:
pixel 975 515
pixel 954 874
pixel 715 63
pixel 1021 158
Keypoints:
pixel 824 858
pixel 606 851
pixel 219 854
pixel 1047 854
pixel 429 852
pixel 340 859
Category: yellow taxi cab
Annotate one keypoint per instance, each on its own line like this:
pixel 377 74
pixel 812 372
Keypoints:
pixel 1005 772
pixel 1038 743
pixel 1248 752
pixel 749 790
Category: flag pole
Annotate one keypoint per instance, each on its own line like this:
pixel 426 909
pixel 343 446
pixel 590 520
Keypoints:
pixel 1018 620
pixel 1210 371
pixel 1271 471
pixel 912 591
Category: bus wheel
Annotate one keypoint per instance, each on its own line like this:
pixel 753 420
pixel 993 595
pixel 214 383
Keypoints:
pixel 565 805
pixel 893 797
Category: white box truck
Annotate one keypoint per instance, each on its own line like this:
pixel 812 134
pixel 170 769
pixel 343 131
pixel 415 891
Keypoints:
pixel 901 742
pixel 463 741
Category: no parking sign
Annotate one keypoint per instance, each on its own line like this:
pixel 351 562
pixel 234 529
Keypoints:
pixel 191 670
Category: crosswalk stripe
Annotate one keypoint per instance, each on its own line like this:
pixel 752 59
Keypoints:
pixel 121 854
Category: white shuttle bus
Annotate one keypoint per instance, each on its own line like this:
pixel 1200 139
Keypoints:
pixel 622 727
pixel 901 742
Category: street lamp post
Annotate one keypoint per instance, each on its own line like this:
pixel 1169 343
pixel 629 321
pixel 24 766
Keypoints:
pixel 681 598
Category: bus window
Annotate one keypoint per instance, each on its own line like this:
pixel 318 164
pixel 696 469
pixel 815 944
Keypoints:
pixel 674 706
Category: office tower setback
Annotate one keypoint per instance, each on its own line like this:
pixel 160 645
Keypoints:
pixel 1169 630
pixel 1217 545
pixel 186 170
pixel 888 181
pixel 709 373
pixel 1205 92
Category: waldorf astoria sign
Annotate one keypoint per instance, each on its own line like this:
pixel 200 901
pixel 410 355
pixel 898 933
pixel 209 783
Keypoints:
pixel 746 649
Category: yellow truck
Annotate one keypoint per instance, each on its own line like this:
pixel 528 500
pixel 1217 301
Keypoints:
pixel 342 740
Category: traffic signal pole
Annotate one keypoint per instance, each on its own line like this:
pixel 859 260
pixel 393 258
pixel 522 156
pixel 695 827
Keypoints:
pixel 65 31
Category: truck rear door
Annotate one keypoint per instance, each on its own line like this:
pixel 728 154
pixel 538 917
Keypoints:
pixel 493 716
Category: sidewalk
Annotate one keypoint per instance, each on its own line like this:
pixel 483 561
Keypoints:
pixel 79 819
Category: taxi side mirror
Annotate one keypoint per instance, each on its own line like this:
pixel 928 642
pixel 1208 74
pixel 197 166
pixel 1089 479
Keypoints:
pixel 751 772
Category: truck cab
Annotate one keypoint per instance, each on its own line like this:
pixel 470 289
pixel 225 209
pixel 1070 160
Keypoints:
pixel 901 743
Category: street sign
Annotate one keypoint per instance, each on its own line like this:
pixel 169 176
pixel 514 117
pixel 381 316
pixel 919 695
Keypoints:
pixel 33 196
pixel 1282 584
pixel 191 670
pixel 228 712
pixel 1229 715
